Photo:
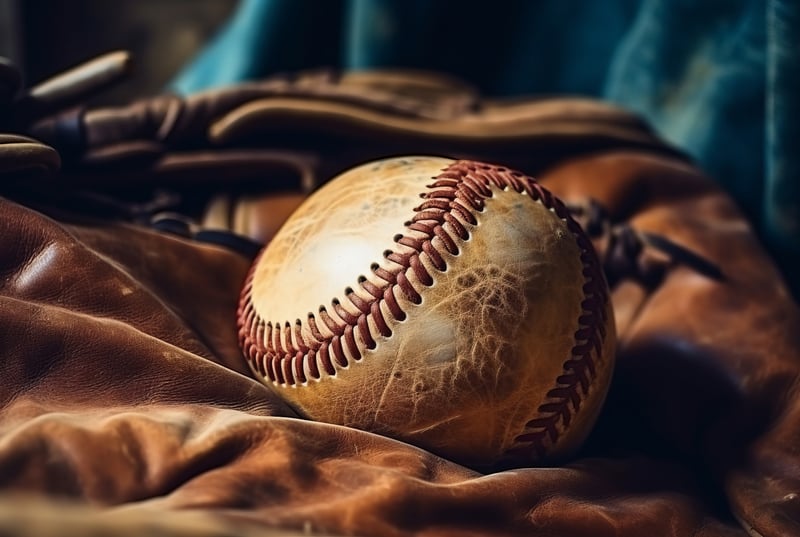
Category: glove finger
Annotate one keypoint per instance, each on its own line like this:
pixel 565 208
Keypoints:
pixel 253 216
pixel 20 154
pixel 73 85
pixel 526 135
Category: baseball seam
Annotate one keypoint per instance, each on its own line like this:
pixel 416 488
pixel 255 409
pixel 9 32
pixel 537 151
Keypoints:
pixel 285 356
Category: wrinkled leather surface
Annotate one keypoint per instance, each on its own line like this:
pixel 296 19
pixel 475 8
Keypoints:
pixel 122 391
pixel 122 383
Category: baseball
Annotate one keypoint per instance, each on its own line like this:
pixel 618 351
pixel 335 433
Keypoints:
pixel 453 305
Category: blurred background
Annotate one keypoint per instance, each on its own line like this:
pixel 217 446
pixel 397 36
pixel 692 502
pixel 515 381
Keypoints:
pixel 45 37
pixel 720 79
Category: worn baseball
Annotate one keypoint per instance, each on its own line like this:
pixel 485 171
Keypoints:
pixel 454 305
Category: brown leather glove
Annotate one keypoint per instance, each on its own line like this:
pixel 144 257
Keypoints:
pixel 292 132
pixel 363 114
pixel 218 152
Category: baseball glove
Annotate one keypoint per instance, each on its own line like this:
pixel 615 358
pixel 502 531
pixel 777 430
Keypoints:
pixel 124 385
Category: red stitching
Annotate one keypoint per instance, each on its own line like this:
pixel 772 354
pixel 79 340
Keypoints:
pixel 449 207
pixel 579 370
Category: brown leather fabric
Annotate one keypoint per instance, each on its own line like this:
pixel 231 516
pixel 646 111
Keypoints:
pixel 712 366
pixel 123 392
pixel 122 383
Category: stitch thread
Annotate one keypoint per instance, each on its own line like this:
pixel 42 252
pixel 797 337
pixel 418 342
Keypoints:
pixel 284 356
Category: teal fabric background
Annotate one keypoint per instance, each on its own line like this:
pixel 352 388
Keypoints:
pixel 718 78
